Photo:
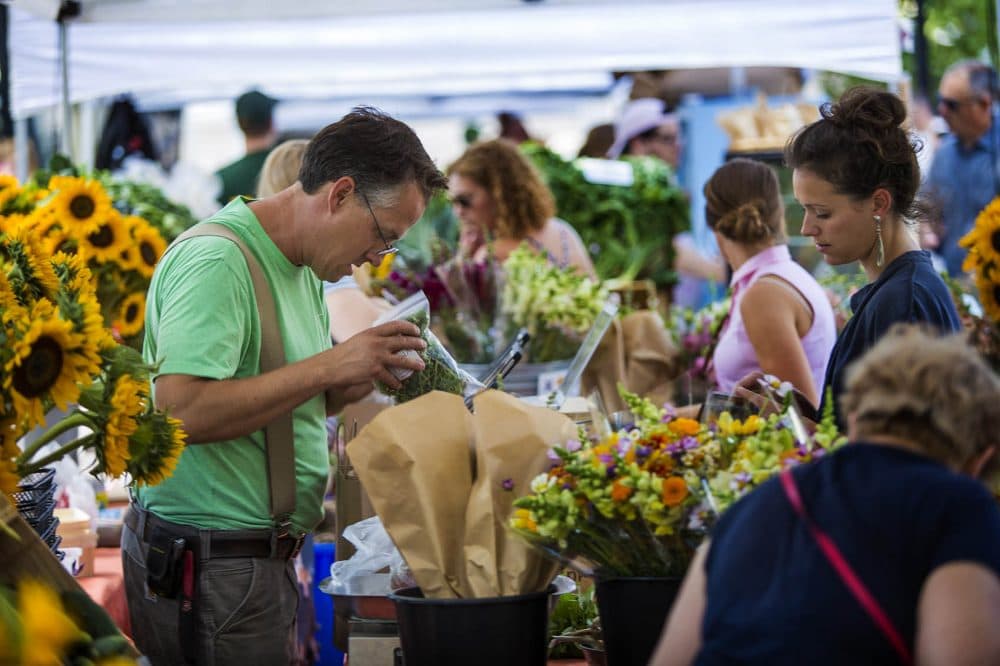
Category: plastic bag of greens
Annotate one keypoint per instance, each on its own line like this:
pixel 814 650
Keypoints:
pixel 441 372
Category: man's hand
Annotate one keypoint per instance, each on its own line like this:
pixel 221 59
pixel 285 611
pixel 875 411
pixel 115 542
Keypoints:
pixel 355 364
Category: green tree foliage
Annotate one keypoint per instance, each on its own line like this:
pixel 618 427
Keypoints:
pixel 955 29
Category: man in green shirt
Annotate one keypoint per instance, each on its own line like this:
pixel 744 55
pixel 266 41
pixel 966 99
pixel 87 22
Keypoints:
pixel 254 113
pixel 365 180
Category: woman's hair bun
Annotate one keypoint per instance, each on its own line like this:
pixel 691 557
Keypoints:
pixel 866 107
pixel 746 223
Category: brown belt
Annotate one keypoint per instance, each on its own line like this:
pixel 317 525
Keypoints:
pixel 214 544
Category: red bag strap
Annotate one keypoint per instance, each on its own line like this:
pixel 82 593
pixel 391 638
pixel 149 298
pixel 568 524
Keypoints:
pixel 844 570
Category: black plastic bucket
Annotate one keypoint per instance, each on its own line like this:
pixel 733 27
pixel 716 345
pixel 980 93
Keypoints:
pixel 633 612
pixel 493 631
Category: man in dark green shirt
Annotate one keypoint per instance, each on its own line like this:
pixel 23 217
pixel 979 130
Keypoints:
pixel 254 115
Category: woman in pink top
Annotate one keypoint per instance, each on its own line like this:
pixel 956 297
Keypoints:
pixel 781 321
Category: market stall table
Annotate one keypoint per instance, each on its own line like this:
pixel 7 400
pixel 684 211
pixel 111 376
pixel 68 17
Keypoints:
pixel 107 587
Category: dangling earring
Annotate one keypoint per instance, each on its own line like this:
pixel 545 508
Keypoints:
pixel 880 255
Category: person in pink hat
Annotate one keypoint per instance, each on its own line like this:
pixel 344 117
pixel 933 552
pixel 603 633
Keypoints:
pixel 645 128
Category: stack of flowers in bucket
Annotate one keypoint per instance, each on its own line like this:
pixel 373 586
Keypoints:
pixel 55 352
pixel 631 508
pixel 94 217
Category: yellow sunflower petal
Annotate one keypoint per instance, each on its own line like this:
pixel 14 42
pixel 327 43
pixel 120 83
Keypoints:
pixel 107 241
pixel 48 630
pixel 41 367
pixel 131 315
pixel 80 204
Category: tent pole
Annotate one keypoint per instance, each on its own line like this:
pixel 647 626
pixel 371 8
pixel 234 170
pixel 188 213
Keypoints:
pixel 21 149
pixel 922 69
pixel 6 123
pixel 65 137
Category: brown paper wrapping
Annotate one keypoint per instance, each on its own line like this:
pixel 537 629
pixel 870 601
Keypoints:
pixel 435 474
pixel 636 351
pixel 414 463
pixel 511 439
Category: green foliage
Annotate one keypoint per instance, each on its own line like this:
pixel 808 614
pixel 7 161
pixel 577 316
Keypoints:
pixel 573 617
pixel 955 29
pixel 628 229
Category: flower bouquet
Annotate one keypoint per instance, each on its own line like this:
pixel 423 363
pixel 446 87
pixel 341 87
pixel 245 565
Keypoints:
pixel 557 306
pixel 983 260
pixel 41 626
pixel 77 215
pixel 55 352
pixel 695 333
pixel 639 501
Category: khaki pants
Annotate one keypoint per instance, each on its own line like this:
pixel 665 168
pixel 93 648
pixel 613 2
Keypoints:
pixel 246 609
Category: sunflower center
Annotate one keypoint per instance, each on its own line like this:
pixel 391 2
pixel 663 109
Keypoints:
pixel 103 237
pixel 40 369
pixel 82 206
pixel 149 254
pixel 131 312
pixel 995 241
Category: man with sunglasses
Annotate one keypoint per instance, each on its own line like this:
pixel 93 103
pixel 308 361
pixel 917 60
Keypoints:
pixel 364 181
pixel 964 176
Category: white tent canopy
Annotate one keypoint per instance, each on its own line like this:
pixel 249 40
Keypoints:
pixel 167 51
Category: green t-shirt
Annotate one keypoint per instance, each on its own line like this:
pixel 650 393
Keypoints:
pixel 201 320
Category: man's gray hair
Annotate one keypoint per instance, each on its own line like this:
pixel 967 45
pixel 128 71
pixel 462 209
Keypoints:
pixel 982 77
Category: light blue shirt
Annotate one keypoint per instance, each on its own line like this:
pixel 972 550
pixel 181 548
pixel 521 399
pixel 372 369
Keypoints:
pixel 963 181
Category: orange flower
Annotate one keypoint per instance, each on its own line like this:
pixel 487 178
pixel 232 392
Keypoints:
pixel 674 491
pixel 620 492
pixel 684 426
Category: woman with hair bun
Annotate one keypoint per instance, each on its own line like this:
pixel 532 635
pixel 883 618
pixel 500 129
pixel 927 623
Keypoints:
pixel 855 173
pixel 781 321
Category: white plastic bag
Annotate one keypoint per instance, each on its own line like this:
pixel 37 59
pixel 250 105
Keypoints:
pixel 374 551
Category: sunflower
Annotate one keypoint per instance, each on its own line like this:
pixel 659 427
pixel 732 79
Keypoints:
pixel 9 189
pixel 41 366
pixel 156 447
pixel 59 240
pixel 46 628
pixel 983 241
pixel 73 273
pixel 29 271
pixel 81 204
pixel 131 315
pixel 107 241
pixel 149 246
pixel 989 295
pixel 128 401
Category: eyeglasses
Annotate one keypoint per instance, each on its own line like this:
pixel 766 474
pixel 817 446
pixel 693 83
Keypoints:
pixel 951 104
pixel 389 249
pixel 668 139
pixel 462 200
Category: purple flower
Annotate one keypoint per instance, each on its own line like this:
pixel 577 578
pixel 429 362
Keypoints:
pixel 606 458
pixel 623 445
pixel 573 445
pixel 688 442
pixel 743 477
pixel 507 484
pixel 669 412
pixel 553 456
pixel 642 451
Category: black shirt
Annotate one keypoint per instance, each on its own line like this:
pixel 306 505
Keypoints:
pixel 908 290
pixel 773 598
